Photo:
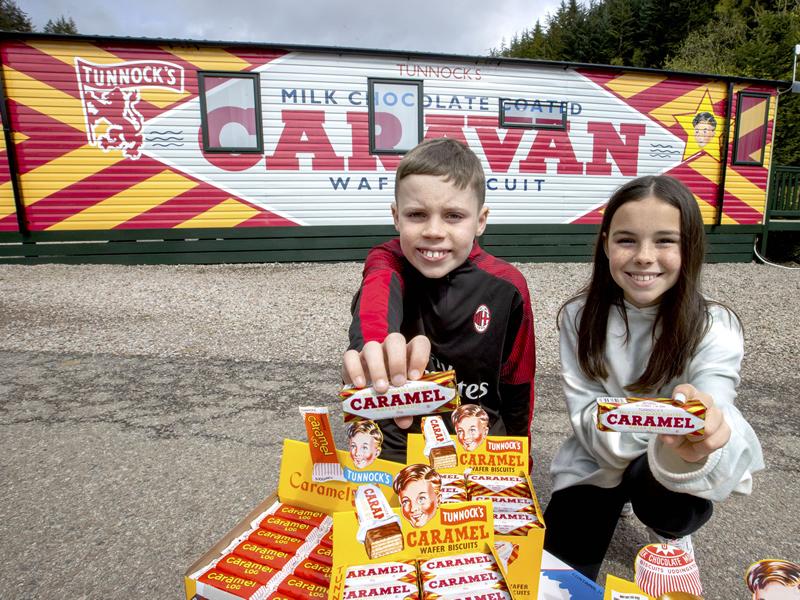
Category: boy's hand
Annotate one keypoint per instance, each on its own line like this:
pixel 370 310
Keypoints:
pixel 392 362
pixel 717 430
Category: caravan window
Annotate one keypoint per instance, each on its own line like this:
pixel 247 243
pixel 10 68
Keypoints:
pixel 230 112
pixel 533 113
pixel 750 140
pixel 395 115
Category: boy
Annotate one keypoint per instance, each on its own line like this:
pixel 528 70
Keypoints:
pixel 433 298
pixel 365 440
pixel 418 487
pixel 471 424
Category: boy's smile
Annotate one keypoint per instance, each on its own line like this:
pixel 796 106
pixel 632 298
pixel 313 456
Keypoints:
pixel 437 222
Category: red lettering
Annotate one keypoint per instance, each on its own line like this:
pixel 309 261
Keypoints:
pixel 388 130
pixel 551 143
pixel 362 160
pixel 303 133
pixel 445 126
pixel 498 153
pixel 608 142
pixel 636 420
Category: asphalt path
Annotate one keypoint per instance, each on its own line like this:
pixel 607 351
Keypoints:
pixel 120 467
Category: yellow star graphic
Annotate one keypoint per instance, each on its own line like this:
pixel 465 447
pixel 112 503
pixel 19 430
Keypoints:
pixel 703 128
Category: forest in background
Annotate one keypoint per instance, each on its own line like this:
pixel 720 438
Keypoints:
pixel 745 38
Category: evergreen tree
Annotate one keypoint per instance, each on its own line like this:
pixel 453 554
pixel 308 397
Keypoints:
pixel 13 18
pixel 61 25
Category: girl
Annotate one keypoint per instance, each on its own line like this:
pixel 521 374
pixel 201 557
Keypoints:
pixel 641 327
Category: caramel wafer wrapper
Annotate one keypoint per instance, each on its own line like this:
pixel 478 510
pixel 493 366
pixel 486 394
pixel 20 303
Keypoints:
pixel 302 515
pixel 433 393
pixel 326 466
pixel 273 557
pixel 378 526
pixel 481 594
pixel 506 552
pixel 651 415
pixel 315 572
pixel 240 587
pixel 322 554
pixel 459 583
pixel 249 569
pixel 302 589
pixel 376 573
pixel 509 503
pixel 515 523
pixel 497 485
pixel 439 448
pixel 278 541
pixel 285 526
pixel 385 590
pixel 662 568
pixel 460 563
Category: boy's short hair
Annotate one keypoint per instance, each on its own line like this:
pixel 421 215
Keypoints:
pixel 417 473
pixel 469 410
pixel 448 158
pixel 365 426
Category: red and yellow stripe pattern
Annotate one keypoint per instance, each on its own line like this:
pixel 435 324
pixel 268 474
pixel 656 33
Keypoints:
pixel 673 102
pixel 68 184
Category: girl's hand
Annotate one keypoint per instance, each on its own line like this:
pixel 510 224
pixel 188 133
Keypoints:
pixel 717 430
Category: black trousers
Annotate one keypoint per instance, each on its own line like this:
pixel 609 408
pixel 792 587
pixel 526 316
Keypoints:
pixel 580 520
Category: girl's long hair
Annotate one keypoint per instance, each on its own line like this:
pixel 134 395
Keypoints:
pixel 682 312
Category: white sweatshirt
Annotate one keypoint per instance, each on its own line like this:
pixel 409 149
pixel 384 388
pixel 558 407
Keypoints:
pixel 595 457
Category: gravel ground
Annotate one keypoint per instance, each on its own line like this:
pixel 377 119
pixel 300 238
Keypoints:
pixel 142 409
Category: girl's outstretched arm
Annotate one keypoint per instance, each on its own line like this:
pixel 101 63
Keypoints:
pixel 726 459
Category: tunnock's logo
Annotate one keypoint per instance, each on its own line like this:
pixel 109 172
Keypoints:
pixel 110 93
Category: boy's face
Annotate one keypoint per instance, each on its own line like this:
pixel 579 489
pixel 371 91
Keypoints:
pixel 471 432
pixel 437 222
pixel 419 500
pixel 363 450
pixel 703 133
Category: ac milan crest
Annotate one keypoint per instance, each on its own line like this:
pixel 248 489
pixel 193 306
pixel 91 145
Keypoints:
pixel 481 318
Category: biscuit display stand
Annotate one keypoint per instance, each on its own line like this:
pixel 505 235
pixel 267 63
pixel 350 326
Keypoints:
pixel 280 550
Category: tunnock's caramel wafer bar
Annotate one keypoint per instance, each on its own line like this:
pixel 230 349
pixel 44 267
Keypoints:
pixel 433 393
pixel 279 541
pixel 459 583
pixel 368 575
pixel 481 594
pixel 460 563
pixel 385 590
pixel 285 526
pixel 321 445
pixel 515 523
pixel 301 589
pixel 314 518
pixel 265 555
pixel 322 554
pixel 509 503
pixel 507 552
pixel 497 485
pixel 240 587
pixel 311 570
pixel 249 569
pixel 379 528
pixel 439 448
pixel 651 415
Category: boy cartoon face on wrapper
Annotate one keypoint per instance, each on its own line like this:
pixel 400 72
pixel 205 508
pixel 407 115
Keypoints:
pixel 418 488
pixel 774 579
pixel 365 440
pixel 472 426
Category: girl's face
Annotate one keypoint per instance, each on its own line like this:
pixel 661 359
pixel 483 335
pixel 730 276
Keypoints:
pixel 643 246
pixel 363 450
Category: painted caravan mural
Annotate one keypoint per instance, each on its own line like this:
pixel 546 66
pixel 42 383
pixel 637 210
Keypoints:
pixel 118 134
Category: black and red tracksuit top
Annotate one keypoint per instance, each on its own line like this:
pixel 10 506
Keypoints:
pixel 479 321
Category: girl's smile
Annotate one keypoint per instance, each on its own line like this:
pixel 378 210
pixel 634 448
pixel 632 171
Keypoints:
pixel 644 250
